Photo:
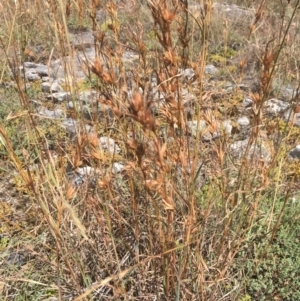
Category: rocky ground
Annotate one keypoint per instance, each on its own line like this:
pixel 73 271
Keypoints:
pixel 231 103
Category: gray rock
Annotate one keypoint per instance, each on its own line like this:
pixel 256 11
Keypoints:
pixel 295 153
pixel 109 144
pixel 71 105
pixel 61 81
pixel 225 127
pixel 192 124
pixel 32 76
pixel 244 87
pixel 60 96
pixel 258 150
pixel 247 102
pixel 275 106
pixel 188 73
pixel 288 93
pixel 72 126
pixel 86 171
pixel 88 96
pixel 117 167
pixel 210 69
pixel 228 86
pixel 48 87
pixel 83 175
pixel 42 70
pixel 243 121
pixel 56 114
pixel 47 79
pixel 76 180
pixel 156 95
pixel 30 65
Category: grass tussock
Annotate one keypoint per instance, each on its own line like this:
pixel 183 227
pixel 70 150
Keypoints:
pixel 155 191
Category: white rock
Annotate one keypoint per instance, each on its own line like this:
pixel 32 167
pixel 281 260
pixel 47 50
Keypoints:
pixel 258 150
pixel 188 73
pixel 227 127
pixel 117 167
pixel 47 79
pixel 48 87
pixel 243 121
pixel 247 102
pixel 224 127
pixel 30 65
pixel 86 171
pixel 32 76
pixel 60 96
pixel 57 113
pixel 42 70
pixel 210 69
pixel 275 106
pixel 192 124
pixel 109 144
pixel 72 126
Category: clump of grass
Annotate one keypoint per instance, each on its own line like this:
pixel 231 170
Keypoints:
pixel 176 223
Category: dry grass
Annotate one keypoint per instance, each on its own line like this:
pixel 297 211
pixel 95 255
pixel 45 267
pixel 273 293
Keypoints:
pixel 175 223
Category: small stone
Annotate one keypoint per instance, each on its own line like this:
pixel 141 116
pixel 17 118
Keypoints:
pixel 210 69
pixel 86 171
pixel 82 174
pixel 247 102
pixel 188 73
pixel 56 114
pixel 32 76
pixel 46 79
pixel 117 167
pixel 222 128
pixel 243 87
pixel 72 126
pixel 60 96
pixel 42 70
pixel 295 153
pixel 30 65
pixel 227 126
pixel 258 150
pixel 193 126
pixel 70 105
pixel 275 106
pixel 243 121
pixel 288 93
pixel 109 144
pixel 48 87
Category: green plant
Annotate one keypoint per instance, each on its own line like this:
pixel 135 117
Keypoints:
pixel 271 265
